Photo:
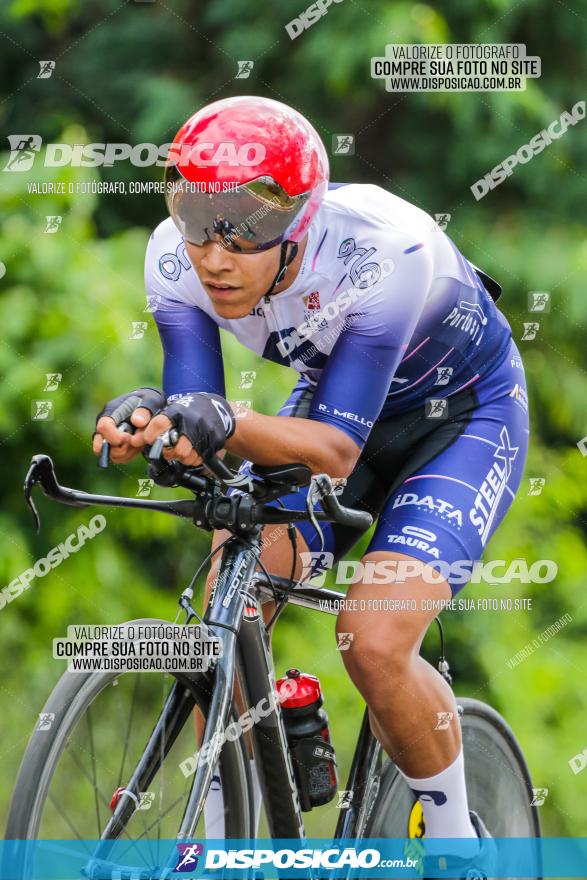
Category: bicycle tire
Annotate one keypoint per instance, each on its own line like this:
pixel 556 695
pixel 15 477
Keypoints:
pixel 485 732
pixel 70 698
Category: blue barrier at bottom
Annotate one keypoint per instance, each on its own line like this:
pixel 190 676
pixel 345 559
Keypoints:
pixel 550 857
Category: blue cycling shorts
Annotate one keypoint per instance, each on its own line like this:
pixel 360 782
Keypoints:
pixel 438 479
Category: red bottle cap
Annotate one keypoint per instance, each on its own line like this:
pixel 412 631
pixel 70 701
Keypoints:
pixel 307 689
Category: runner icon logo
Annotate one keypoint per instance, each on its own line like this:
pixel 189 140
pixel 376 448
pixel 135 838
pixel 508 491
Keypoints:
pixel 188 857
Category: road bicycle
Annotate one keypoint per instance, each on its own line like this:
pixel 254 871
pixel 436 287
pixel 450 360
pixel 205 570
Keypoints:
pixel 130 732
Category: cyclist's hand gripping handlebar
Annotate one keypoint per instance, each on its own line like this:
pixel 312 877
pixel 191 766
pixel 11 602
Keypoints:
pixel 213 464
pixel 120 418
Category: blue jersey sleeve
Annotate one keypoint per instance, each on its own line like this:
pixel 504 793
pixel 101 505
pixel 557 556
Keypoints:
pixel 357 377
pixel 192 356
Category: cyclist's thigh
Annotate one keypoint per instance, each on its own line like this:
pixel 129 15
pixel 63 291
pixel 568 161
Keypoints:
pixel 444 512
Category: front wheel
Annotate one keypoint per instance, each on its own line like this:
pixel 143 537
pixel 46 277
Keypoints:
pixel 499 785
pixel 93 734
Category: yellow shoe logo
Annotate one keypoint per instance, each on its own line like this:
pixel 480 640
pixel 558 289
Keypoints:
pixel 416 826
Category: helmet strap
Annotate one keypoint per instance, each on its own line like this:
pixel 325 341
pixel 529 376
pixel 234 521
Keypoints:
pixel 284 261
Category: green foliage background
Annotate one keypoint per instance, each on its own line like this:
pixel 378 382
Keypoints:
pixel 132 72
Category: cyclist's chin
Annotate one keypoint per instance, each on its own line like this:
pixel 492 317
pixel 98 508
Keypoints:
pixel 233 305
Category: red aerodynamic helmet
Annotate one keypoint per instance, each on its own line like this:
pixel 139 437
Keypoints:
pixel 249 169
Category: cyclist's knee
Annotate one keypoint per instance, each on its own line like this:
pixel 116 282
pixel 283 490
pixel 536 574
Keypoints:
pixel 381 632
pixel 381 626
pixel 373 655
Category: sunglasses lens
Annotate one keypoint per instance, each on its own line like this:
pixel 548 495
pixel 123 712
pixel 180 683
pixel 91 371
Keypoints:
pixel 246 218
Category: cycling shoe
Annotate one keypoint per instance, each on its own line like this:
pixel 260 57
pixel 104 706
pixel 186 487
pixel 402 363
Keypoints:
pixel 477 867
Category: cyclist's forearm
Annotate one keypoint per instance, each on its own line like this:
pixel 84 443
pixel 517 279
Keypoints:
pixel 274 440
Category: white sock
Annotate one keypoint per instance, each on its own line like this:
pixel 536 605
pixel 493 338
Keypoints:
pixel 214 805
pixel 444 803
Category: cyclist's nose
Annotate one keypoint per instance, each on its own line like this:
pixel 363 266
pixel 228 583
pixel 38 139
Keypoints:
pixel 211 256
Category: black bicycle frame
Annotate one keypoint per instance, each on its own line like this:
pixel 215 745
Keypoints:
pixel 246 655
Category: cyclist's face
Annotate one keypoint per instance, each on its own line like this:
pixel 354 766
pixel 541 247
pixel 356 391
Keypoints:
pixel 234 282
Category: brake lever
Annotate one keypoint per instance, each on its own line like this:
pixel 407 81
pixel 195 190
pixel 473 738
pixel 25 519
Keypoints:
pixel 166 440
pixel 29 481
pixel 42 472
pixel 325 488
pixel 213 465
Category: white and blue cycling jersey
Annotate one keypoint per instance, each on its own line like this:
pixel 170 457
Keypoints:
pixel 384 313
pixel 384 321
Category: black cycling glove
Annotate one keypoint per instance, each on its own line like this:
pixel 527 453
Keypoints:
pixel 151 398
pixel 205 419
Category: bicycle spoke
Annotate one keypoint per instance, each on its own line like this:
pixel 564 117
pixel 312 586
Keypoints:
pixel 126 736
pixel 167 811
pixel 160 815
pixel 172 806
pixel 97 793
pixel 143 818
pixel 72 827
pixel 101 751
pixel 93 759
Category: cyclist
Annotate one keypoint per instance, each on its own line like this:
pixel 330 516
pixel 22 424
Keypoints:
pixel 410 386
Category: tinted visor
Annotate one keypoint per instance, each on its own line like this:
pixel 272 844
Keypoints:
pixel 251 217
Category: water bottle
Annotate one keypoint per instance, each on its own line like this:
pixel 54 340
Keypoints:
pixel 306 726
